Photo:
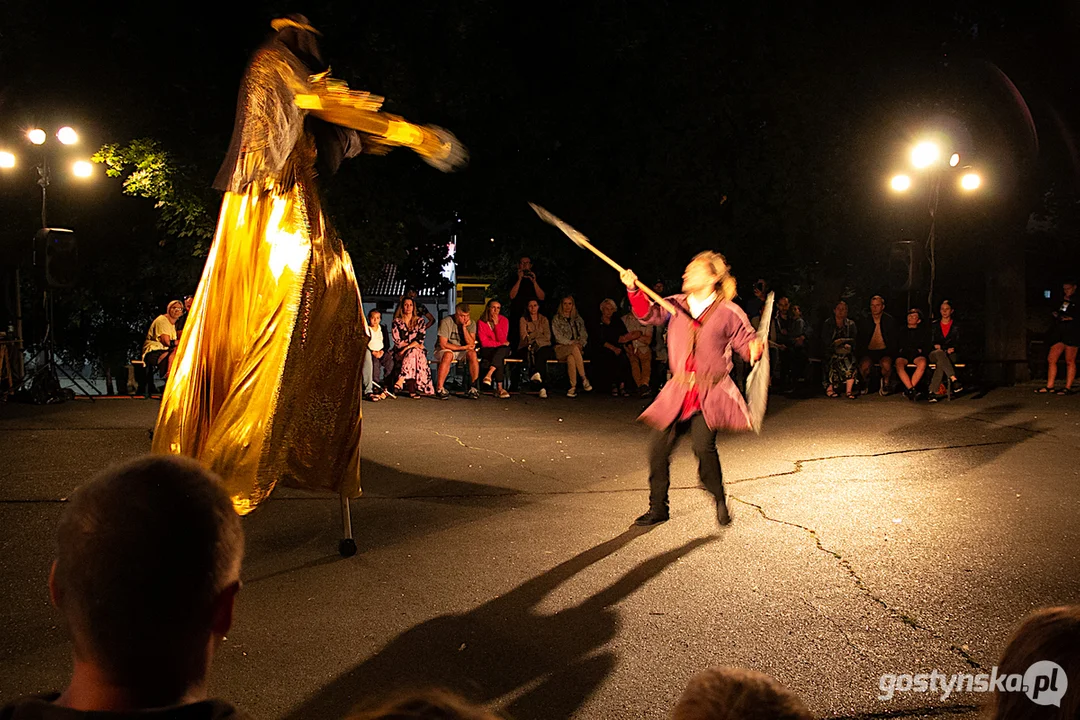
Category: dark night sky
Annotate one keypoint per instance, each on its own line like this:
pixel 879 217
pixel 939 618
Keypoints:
pixel 633 120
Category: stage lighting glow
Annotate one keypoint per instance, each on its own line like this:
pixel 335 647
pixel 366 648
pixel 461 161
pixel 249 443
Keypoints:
pixel 970 181
pixel 954 160
pixel 82 169
pixel 900 183
pixel 67 136
pixel 925 154
pixel 37 136
pixel 7 160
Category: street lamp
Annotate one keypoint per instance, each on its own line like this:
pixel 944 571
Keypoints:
pixel 66 136
pixel 928 157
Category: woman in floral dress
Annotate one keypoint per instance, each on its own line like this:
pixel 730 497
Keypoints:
pixel 409 351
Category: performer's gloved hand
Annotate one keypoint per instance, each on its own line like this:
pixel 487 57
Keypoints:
pixel 628 278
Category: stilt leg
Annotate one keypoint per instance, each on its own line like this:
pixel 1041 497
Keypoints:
pixel 347 546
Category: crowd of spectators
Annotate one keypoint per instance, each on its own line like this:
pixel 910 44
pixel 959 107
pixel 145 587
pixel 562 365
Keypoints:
pixel 146 577
pixel 919 358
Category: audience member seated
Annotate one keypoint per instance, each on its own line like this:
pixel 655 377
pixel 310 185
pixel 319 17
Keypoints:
pixel 613 369
pixel 1050 635
pixel 427 705
pixel 534 346
pixel 160 344
pixel 787 345
pixel 182 320
pixel 639 352
pixel 881 338
pixel 378 359
pixel 729 693
pixel 457 343
pixel 525 288
pixel 1064 338
pixel 914 350
pixel 410 355
pixel 493 331
pixel 568 329
pixel 145 577
pixel 841 335
pixel 800 344
pixel 421 309
pixel 659 348
pixel 944 356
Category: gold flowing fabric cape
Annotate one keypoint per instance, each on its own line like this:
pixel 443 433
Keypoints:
pixel 266 384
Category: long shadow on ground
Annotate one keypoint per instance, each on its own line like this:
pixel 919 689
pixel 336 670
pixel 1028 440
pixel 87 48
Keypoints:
pixel 505 646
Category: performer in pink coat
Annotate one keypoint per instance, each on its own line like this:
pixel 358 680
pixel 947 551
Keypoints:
pixel 701 399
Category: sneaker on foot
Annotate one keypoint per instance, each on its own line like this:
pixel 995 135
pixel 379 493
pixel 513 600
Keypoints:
pixel 472 394
pixel 442 394
pixel 502 394
pixel 543 392
pixel 571 393
pixel 586 385
pixel 535 377
pixel 653 517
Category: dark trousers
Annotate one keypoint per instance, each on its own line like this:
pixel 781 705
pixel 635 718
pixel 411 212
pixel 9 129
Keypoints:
pixel 536 361
pixel 703 442
pixel 494 357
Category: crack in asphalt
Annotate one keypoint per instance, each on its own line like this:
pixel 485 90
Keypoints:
pixel 800 463
pixel 929 711
pixel 519 463
pixel 839 628
pixel 861 585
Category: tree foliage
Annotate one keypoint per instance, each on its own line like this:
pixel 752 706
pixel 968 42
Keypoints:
pixel 150 171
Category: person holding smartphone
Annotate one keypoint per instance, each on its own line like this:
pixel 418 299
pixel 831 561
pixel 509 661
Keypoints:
pixel 524 289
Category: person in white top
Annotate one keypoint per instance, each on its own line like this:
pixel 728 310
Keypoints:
pixel 160 344
pixel 378 361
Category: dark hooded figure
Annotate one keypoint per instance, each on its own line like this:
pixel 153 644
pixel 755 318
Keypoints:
pixel 266 385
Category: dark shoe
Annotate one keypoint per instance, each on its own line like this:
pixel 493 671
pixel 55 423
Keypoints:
pixel 442 394
pixel 723 513
pixel 957 388
pixel 934 398
pixel 653 517
pixel 472 394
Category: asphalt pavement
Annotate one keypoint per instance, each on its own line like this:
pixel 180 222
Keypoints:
pixel 496 556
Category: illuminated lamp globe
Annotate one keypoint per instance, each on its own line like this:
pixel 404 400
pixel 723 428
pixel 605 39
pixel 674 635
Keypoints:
pixel 37 136
pixel 82 169
pixel 7 160
pixel 900 183
pixel 970 181
pixel 925 154
pixel 954 160
pixel 67 136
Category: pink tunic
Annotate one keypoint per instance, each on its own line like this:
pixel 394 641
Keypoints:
pixel 700 378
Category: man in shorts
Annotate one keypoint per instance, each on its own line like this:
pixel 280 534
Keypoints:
pixel 457 343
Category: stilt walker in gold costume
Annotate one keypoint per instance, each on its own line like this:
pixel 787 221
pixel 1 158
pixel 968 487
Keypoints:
pixel 266 385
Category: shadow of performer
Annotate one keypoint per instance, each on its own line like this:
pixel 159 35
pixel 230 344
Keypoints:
pixel 504 646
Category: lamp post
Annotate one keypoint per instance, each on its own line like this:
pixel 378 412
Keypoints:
pixel 927 157
pixel 8 161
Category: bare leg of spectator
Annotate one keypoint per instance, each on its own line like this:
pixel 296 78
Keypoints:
pixel 1070 366
pixel 901 374
pixel 1052 360
pixel 445 359
pixel 921 364
pixel 474 366
pixel 886 374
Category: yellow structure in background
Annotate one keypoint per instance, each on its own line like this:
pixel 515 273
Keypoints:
pixel 473 290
